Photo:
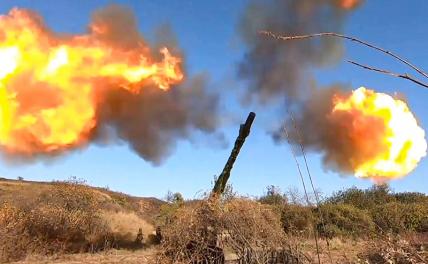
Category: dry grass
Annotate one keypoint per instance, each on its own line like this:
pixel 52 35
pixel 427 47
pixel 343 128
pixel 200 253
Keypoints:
pixel 111 256
pixel 126 224
pixel 59 218
pixel 64 219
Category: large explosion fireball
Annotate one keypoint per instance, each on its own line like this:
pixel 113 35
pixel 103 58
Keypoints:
pixel 50 84
pixel 383 133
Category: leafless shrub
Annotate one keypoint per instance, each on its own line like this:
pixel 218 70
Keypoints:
pixel 393 249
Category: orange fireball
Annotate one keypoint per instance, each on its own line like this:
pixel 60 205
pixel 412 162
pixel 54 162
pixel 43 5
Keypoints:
pixel 348 4
pixel 50 84
pixel 383 130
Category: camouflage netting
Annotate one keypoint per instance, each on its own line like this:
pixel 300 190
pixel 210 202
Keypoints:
pixel 206 230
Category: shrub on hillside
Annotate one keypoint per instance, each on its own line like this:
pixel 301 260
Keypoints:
pixel 415 217
pixel 168 210
pixel 62 220
pixel 391 212
pixel 411 197
pixel 345 220
pixel 363 199
pixel 273 196
pixel 387 217
pixel 297 219
pixel 398 217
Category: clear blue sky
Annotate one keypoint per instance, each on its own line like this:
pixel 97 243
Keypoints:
pixel 206 32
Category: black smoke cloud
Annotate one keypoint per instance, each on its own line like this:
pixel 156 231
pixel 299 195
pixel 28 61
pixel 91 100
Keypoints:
pixel 275 68
pixel 151 122
pixel 283 70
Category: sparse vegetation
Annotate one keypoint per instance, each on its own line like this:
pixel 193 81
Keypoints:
pixel 64 217
pixel 273 196
pixel 357 213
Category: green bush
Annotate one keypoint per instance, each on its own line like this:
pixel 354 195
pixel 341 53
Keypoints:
pixel 411 197
pixel 387 217
pixel 398 217
pixel 415 217
pixel 297 219
pixel 363 199
pixel 344 220
pixel 273 196
pixel 167 210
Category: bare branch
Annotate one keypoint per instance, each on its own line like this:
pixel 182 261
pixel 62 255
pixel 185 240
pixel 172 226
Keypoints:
pixel 331 34
pixel 398 75
pixel 304 187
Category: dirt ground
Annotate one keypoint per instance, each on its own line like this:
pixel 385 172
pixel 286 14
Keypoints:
pixel 337 253
pixel 112 256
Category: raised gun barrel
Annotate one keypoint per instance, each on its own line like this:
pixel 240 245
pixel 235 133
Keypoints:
pixel 244 131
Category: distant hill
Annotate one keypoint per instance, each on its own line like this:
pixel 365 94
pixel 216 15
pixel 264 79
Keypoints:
pixel 70 216
pixel 148 208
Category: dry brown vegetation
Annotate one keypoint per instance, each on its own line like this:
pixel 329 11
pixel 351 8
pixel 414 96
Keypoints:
pixel 65 217
pixel 201 231
pixel 44 222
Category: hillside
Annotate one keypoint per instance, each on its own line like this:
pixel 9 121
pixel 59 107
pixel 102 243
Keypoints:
pixel 70 216
pixel 146 208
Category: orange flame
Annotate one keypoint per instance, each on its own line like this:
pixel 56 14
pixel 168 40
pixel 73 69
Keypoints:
pixel 348 4
pixel 49 84
pixel 384 131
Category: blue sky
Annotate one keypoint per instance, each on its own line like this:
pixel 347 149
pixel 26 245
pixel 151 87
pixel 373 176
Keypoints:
pixel 206 31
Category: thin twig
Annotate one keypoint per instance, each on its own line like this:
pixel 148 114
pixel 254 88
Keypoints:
pixel 304 189
pixel 332 34
pixel 317 200
pixel 398 75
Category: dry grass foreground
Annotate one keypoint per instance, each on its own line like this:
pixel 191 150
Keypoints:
pixel 112 256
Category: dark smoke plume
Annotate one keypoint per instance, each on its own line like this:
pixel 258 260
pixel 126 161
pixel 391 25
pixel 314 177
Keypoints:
pixel 274 68
pixel 283 69
pixel 116 25
pixel 152 121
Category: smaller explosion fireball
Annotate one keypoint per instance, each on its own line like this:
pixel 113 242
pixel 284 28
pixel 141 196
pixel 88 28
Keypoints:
pixel 348 4
pixel 382 131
